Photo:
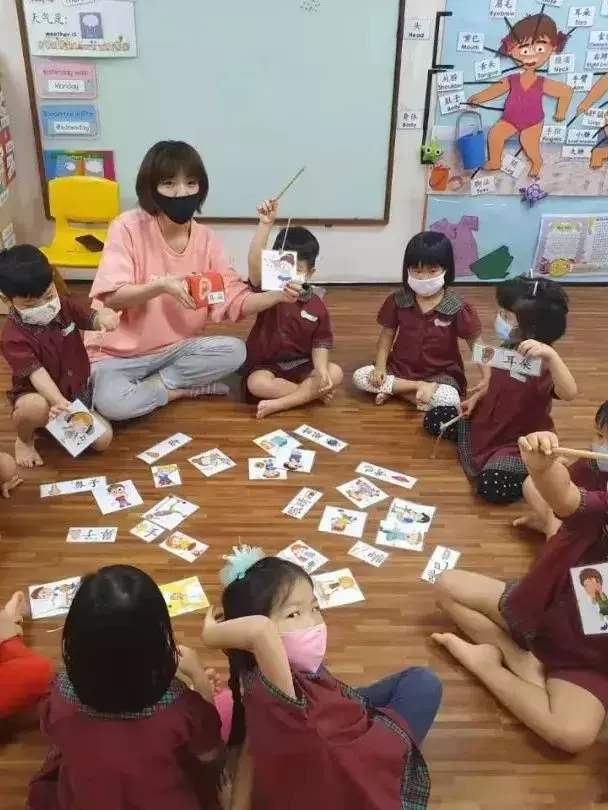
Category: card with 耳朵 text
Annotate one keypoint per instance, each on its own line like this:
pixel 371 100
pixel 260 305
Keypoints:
pixel 299 506
pixel 164 448
pixel 76 428
pixel 507 360
pixel 318 437
pixel 71 487
pixel 442 559
pixel 336 588
pixel 303 555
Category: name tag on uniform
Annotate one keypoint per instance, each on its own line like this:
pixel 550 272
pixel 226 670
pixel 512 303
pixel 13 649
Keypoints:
pixel 442 323
pixel 68 329
pixel 307 316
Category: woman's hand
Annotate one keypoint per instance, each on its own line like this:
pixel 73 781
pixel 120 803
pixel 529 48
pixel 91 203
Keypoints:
pixel 538 450
pixel 268 211
pixel 107 319
pixel 189 665
pixel 178 289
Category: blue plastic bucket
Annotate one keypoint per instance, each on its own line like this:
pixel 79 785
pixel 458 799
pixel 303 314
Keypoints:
pixel 472 146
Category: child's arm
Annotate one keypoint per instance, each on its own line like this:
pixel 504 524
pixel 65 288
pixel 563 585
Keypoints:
pixel 383 349
pixel 551 478
pixel 191 667
pixel 485 370
pixel 320 361
pixel 268 212
pixel 598 90
pixel 563 93
pixel 259 302
pixel 46 387
pixel 564 383
pixel 242 784
pixel 490 93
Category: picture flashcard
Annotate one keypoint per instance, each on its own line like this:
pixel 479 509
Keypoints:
pixel 164 448
pixel 184 596
pixel 386 476
pixel 72 487
pixel 507 360
pixel 92 534
pixel 442 559
pixel 116 497
pixel 323 439
pixel 276 442
pixel 590 583
pixel 336 589
pixel 212 462
pixel 362 493
pixel 393 538
pixel 170 512
pixel 407 517
pixel 296 460
pixel 146 531
pixel 279 267
pixel 368 554
pixel 184 546
pixel 299 506
pixel 76 428
pixel 343 521
pixel 53 598
pixel 166 476
pixel 303 555
pixel 266 469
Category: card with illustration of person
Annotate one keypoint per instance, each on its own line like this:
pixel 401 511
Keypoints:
pixel 116 497
pixel 362 493
pixel 184 596
pixel 170 512
pixel 343 521
pixel 590 583
pixel 76 428
pixel 266 469
pixel 336 588
pixel 166 475
pixel 52 598
pixel 211 462
pixel 184 546
pixel 279 267
pixel 296 460
pixel 303 555
pixel 276 442
pixel 406 517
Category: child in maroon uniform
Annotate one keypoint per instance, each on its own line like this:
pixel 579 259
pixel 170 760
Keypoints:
pixel 531 318
pixel 42 344
pixel 288 348
pixel 418 357
pixel 309 737
pixel 529 648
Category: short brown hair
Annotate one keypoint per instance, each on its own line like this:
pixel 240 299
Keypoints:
pixel 533 28
pixel 164 160
pixel 591 573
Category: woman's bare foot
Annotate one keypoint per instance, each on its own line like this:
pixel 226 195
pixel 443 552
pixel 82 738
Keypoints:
pixel 472 656
pixel 16 607
pixel 269 406
pixel 534 522
pixel 26 454
pixel 382 398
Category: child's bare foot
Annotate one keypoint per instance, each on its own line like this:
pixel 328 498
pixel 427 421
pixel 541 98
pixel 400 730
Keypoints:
pixel 472 656
pixel 534 522
pixel 269 406
pixel 16 607
pixel 382 398
pixel 26 454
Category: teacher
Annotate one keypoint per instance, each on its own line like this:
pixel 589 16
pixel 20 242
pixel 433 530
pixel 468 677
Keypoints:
pixel 157 354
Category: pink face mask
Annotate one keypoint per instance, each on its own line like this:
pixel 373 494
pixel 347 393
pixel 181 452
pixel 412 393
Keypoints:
pixel 306 648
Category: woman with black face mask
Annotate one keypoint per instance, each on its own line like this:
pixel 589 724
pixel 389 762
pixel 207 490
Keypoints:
pixel 168 276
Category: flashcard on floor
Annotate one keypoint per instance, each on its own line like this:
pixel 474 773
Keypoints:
pixel 147 531
pixel 303 502
pixel 386 476
pixel 296 460
pixel 343 521
pixel 279 267
pixel 166 476
pixel 114 497
pixel 92 534
pixel 164 448
pixel 212 462
pixel 76 428
pixel 366 553
pixel 406 517
pixel 303 555
pixel 53 598
pixel 394 538
pixel 590 583
pixel 266 469
pixel 507 360
pixel 184 596
pixel 442 559
pixel 362 493
pixel 184 546
pixel 72 487
pixel 275 442
pixel 336 588
pixel 318 437
pixel 170 512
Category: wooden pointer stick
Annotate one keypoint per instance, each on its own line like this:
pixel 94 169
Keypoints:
pixel 442 429
pixel 569 452
pixel 290 184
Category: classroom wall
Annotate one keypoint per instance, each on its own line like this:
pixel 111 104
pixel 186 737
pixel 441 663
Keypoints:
pixel 354 255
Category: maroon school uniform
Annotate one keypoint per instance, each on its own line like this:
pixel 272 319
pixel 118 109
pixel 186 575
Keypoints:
pixel 328 749
pixel 121 762
pixel 541 609
pixel 283 337
pixel 57 347
pixel 426 343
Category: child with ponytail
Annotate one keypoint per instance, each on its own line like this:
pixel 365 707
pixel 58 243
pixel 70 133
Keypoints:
pixel 305 738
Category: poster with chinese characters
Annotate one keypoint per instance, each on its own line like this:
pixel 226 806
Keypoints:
pixel 98 29
pixel 573 246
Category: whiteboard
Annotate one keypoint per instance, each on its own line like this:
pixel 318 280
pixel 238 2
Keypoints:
pixel 260 88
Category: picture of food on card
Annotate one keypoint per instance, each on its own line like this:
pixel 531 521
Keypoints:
pixel 266 469
pixel 303 555
pixel 336 588
pixel 52 599
pixel 183 546
pixel 279 267
pixel 590 584
pixel 343 521
pixel 166 476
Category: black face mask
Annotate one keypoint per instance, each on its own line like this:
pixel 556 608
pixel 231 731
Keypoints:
pixel 178 209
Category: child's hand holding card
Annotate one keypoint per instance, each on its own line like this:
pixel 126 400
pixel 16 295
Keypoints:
pixel 279 267
pixel 76 428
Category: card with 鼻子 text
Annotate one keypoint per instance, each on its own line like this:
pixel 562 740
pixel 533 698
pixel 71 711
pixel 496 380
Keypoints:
pixel 71 487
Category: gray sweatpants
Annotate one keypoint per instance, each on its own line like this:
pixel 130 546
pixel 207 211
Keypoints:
pixel 124 388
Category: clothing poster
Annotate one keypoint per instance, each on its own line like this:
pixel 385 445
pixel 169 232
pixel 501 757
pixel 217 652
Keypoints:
pixel 461 235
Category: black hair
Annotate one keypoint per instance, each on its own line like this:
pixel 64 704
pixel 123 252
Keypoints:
pixel 429 249
pixel 601 417
pixel 300 240
pixel 118 645
pixel 25 272
pixel 264 587
pixel 163 161
pixel 540 306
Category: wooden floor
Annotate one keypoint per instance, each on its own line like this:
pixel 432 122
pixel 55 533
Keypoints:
pixel 480 758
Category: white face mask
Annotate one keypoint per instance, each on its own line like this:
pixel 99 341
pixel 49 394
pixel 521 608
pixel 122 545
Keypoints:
pixel 42 315
pixel 425 287
pixel 600 448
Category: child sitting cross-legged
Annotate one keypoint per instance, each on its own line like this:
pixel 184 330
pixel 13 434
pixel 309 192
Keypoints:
pixel 288 348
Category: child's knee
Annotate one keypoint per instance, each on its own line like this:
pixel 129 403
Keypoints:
pixel 436 417
pixel 428 686
pixel 499 487
pixel 336 373
pixel 105 440
pixel 31 408
pixel 361 379
pixel 8 468
pixel 256 382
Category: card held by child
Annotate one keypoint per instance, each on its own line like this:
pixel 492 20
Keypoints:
pixel 343 521
pixel 303 555
pixel 299 506
pixel 53 598
pixel 279 267
pixel 507 360
pixel 276 442
pixel 76 428
pixel 590 583
pixel 72 487
pixel 296 460
pixel 164 448
pixel 184 546
pixel 116 497
pixel 170 512
pixel 211 462
pixel 147 531
pixel 318 437
pixel 184 596
pixel 368 554
pixel 92 534
pixel 166 475
pixel 362 493
pixel 266 469
pixel 336 588
pixel 442 559
pixel 386 476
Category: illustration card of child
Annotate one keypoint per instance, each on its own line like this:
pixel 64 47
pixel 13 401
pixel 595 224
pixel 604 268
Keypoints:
pixel 266 469
pixel 170 512
pixel 391 535
pixel 507 360
pixel 343 521
pixel 303 555
pixel 590 583
pixel 53 598
pixel 279 267
pixel 115 497
pixel 299 506
pixel 368 554
pixel 184 546
pixel 362 493
pixel 76 429
pixel 166 476
pixel 276 442
pixel 296 460
pixel 442 559
pixel 164 448
pixel 147 531
pixel 407 518
pixel 337 588
pixel 386 476
pixel 212 462
pixel 92 534
pixel 184 596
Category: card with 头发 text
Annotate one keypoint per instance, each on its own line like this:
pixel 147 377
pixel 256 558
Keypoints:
pixel 164 448
pixel 71 487
pixel 299 506
pixel 442 559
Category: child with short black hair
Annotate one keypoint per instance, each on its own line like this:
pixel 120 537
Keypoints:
pixel 42 344
pixel 288 348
